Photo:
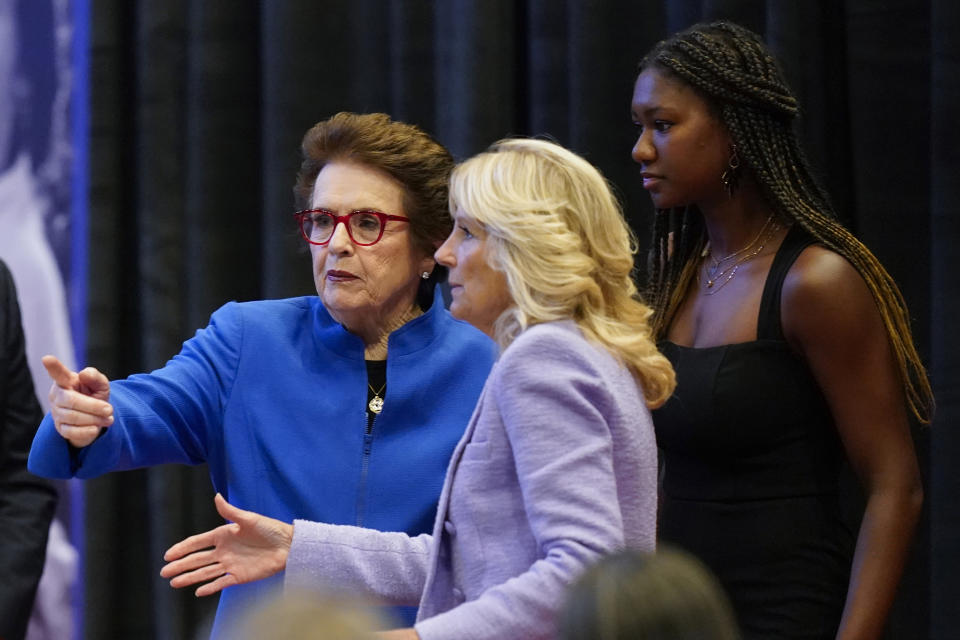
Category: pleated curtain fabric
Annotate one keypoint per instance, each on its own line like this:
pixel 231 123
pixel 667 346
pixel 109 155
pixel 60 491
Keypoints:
pixel 942 206
pixel 198 108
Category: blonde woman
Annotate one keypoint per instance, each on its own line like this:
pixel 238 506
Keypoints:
pixel 558 464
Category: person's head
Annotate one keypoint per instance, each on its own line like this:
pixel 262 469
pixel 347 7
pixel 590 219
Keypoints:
pixel 682 147
pixel 722 91
pixel 539 237
pixel 631 595
pixel 726 81
pixel 369 162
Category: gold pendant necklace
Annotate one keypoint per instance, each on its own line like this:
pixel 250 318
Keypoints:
pixel 717 279
pixel 376 402
pixel 718 261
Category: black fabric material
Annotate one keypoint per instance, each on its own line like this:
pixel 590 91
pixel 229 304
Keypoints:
pixel 769 326
pixel 26 501
pixel 751 481
pixel 198 111
pixel 943 480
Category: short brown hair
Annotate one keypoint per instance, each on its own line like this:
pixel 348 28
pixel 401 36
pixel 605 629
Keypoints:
pixel 403 151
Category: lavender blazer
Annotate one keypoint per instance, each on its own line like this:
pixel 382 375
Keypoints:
pixel 557 466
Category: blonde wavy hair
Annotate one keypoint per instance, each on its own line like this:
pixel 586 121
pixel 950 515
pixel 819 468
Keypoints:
pixel 555 229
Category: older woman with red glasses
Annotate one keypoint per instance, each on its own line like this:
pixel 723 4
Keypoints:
pixel 342 407
pixel 558 464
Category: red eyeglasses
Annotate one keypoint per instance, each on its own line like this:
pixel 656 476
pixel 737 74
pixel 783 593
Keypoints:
pixel 364 227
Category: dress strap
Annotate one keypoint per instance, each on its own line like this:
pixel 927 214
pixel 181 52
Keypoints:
pixel 768 322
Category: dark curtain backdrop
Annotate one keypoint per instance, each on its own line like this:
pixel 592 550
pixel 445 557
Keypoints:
pixel 198 107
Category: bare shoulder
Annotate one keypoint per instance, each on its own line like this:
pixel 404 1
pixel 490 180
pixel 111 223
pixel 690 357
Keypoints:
pixel 819 272
pixel 826 300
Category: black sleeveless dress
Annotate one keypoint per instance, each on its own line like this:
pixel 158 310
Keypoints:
pixel 751 473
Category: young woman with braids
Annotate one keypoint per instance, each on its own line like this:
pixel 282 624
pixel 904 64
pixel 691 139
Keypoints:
pixel 791 346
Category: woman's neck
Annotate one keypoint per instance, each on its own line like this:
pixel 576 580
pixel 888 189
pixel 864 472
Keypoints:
pixel 732 224
pixel 376 340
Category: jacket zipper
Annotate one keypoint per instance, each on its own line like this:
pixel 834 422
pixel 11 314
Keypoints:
pixel 365 467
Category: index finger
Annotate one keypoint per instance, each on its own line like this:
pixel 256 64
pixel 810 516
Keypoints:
pixel 59 372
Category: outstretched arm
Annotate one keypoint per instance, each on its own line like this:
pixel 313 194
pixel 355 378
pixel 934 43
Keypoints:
pixel 251 547
pixel 388 565
pixel 173 414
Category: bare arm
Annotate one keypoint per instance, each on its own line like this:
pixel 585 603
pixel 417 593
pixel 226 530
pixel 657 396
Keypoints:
pixel 830 316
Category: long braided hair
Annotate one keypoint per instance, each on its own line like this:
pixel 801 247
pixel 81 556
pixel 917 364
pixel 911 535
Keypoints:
pixel 733 70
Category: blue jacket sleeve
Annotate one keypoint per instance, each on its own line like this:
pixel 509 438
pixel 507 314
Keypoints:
pixel 174 414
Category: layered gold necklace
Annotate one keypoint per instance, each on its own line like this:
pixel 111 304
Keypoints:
pixel 720 271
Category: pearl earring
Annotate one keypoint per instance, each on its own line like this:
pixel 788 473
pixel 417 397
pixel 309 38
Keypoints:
pixel 425 275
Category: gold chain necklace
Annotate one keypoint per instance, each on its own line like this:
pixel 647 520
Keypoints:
pixel 376 402
pixel 716 280
pixel 718 261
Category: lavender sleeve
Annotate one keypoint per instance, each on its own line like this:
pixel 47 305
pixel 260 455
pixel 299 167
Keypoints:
pixel 388 566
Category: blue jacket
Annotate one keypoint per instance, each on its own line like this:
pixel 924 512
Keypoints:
pixel 272 395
